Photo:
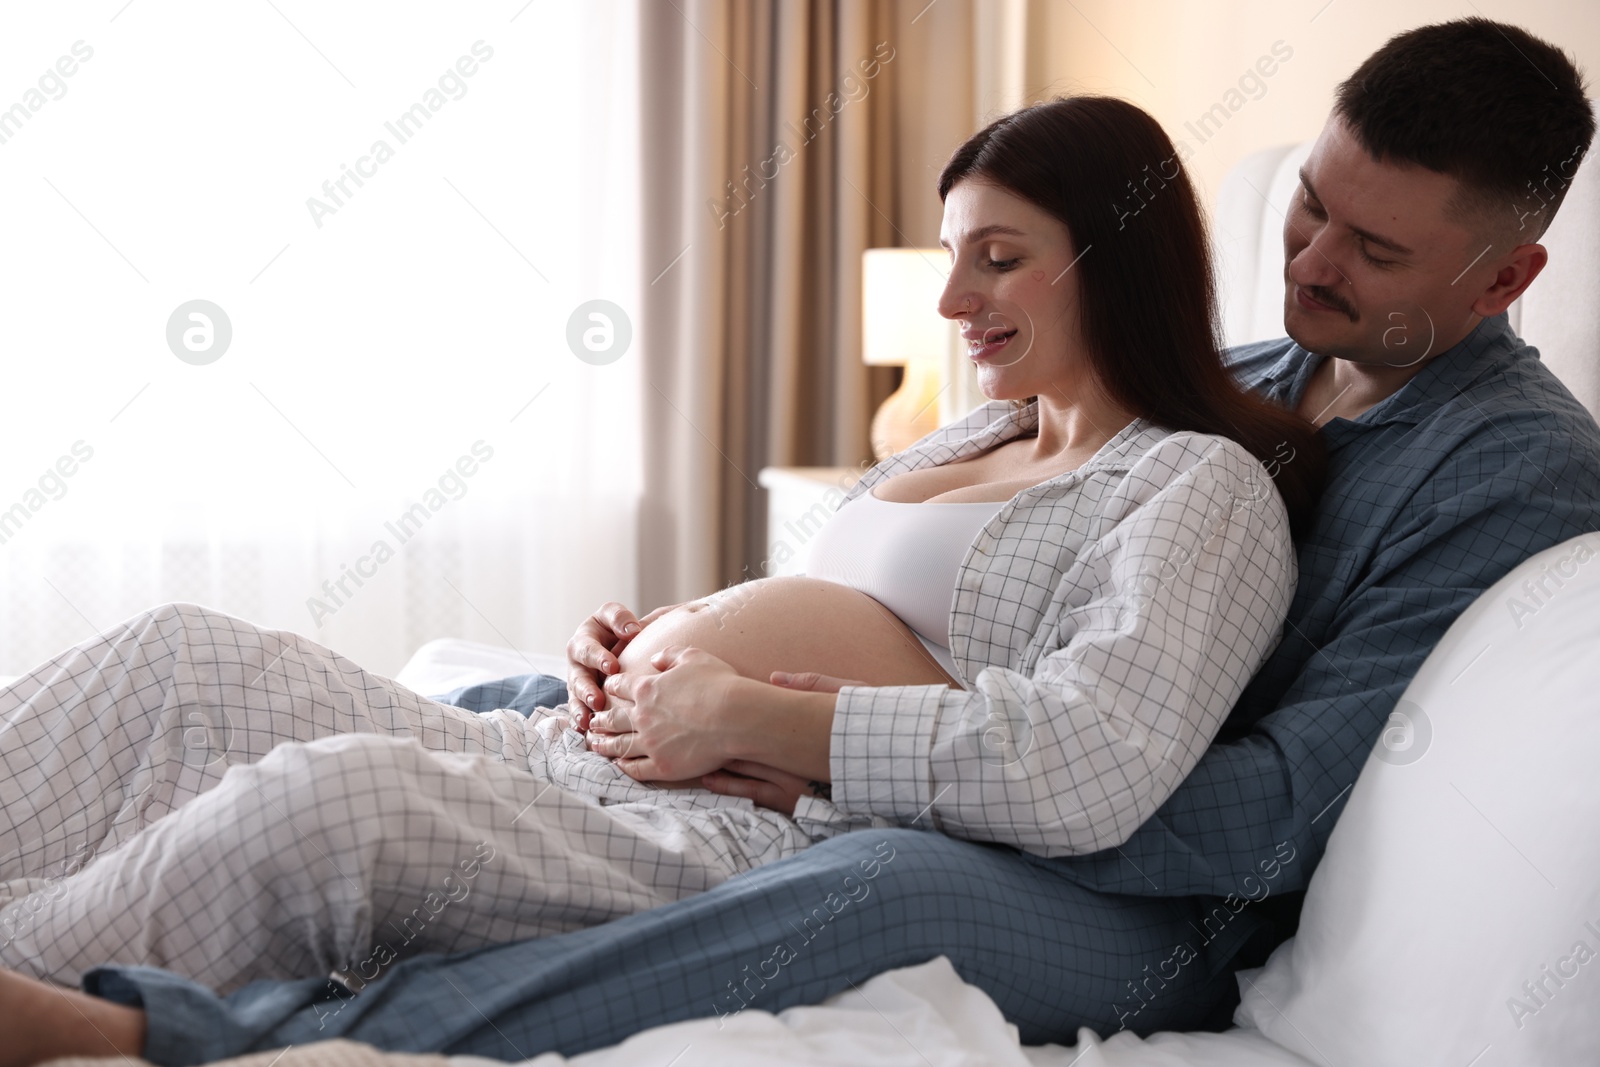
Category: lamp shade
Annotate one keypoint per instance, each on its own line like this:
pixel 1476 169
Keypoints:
pixel 900 289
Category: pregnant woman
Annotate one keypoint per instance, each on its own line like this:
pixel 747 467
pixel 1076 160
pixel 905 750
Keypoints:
pixel 1045 609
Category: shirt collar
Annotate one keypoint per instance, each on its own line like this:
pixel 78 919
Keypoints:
pixel 1443 378
pixel 1125 446
pixel 1012 422
pixel 1447 375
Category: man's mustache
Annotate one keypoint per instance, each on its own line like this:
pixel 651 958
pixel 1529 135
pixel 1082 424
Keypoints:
pixel 1332 299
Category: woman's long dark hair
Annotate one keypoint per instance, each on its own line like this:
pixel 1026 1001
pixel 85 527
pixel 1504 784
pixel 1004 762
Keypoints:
pixel 1147 306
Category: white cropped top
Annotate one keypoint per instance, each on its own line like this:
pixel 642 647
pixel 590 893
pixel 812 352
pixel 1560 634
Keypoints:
pixel 905 556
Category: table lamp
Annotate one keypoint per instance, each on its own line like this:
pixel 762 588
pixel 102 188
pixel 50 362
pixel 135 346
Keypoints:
pixel 901 326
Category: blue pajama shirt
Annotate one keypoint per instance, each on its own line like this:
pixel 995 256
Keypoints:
pixel 1477 463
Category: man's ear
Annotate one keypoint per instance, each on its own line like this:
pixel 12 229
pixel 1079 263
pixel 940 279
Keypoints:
pixel 1518 271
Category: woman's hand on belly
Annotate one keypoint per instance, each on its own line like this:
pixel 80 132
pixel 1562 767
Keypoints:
pixel 667 723
pixel 718 700
pixel 693 714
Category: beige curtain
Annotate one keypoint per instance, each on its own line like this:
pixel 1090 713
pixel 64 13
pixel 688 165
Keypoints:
pixel 780 140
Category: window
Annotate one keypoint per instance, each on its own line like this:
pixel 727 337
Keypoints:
pixel 392 221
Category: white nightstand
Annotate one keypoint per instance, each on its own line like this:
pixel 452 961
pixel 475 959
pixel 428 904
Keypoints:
pixel 799 501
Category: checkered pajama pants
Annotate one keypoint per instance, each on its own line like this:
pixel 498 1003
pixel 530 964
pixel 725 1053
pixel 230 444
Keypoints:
pixel 194 792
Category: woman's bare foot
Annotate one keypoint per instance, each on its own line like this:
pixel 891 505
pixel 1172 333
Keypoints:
pixel 42 1022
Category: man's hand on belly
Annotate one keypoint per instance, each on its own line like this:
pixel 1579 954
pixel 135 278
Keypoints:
pixel 764 786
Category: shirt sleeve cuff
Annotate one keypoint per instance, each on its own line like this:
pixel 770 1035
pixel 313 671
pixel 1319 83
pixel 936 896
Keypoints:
pixel 184 1023
pixel 879 750
pixel 187 1024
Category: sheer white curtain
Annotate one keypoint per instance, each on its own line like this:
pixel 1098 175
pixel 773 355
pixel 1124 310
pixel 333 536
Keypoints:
pixel 399 209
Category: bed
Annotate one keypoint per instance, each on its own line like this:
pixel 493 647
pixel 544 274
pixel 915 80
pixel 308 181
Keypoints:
pixel 1449 810
pixel 1455 917
pixel 1452 886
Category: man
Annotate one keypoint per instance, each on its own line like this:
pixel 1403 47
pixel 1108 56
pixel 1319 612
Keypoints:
pixel 1454 455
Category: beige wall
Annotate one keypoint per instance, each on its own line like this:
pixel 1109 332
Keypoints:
pixel 1176 58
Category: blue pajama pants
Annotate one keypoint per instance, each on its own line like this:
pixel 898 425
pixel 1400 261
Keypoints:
pixel 1053 955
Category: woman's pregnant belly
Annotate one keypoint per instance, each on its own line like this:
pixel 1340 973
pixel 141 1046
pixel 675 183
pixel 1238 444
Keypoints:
pixel 793 624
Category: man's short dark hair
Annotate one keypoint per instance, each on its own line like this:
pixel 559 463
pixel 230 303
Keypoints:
pixel 1501 111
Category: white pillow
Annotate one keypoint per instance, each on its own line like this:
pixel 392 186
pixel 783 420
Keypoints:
pixel 1455 918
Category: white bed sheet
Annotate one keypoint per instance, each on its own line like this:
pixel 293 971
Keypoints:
pixel 448 663
pixel 923 1016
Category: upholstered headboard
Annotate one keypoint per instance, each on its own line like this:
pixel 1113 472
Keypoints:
pixel 1559 314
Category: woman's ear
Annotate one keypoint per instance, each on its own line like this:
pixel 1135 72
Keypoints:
pixel 1518 271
